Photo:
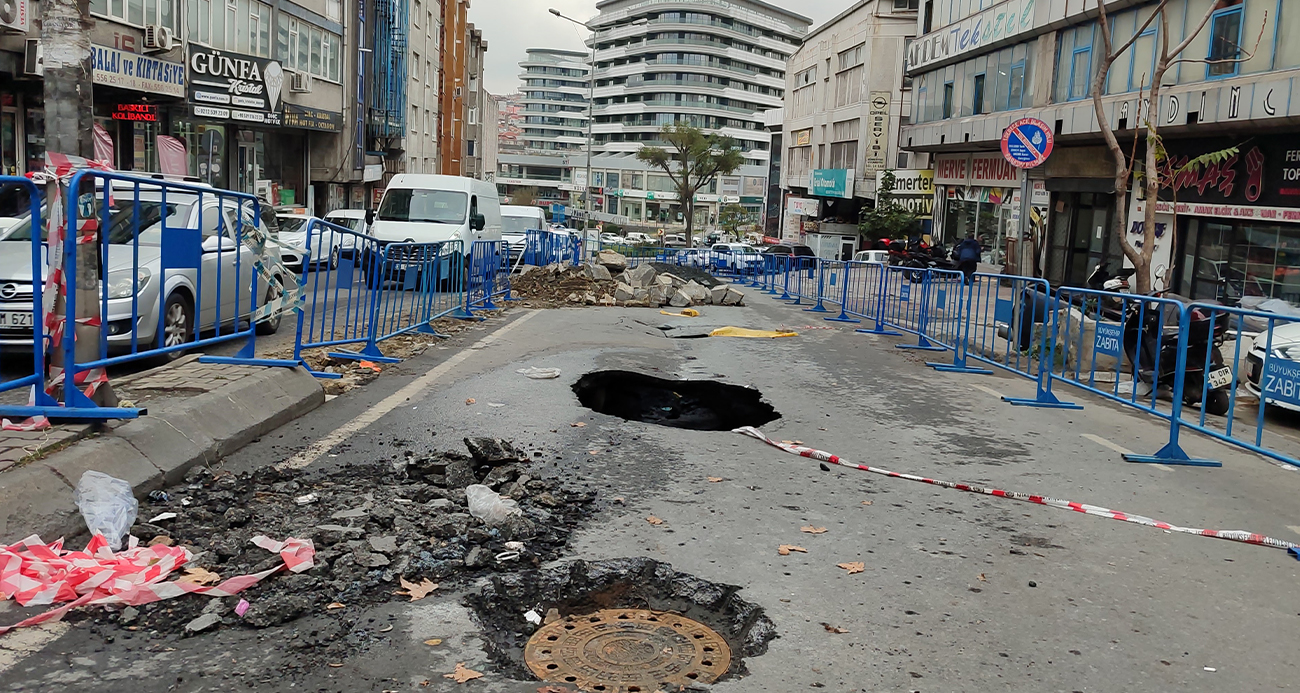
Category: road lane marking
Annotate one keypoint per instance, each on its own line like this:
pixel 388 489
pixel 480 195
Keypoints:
pixel 395 400
pixel 989 390
pixel 19 644
pixel 1294 528
pixel 1120 449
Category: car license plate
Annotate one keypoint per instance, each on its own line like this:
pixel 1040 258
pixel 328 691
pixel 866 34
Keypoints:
pixel 15 319
pixel 1220 378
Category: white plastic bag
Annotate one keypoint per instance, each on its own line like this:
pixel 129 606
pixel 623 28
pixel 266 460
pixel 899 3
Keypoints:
pixel 108 506
pixel 488 506
pixel 539 373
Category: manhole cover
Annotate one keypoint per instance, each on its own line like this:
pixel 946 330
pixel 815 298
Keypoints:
pixel 627 650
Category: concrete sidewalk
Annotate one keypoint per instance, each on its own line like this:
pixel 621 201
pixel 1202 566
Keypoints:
pixel 196 414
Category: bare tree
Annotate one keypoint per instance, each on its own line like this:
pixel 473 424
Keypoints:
pixel 1166 57
pixel 696 158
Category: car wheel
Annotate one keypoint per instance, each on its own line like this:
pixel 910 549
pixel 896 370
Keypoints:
pixel 1216 402
pixel 334 257
pixel 270 326
pixel 178 324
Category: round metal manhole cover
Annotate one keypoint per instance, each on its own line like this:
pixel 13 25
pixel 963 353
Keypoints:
pixel 626 651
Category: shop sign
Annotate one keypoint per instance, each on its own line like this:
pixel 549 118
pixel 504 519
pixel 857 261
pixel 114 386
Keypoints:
pixel 971 34
pixel 877 133
pixel 912 181
pixel 230 86
pixel 731 199
pixel 1265 172
pixel 803 206
pixel 952 169
pixel 1248 213
pixel 117 68
pixel 991 169
pixel 751 200
pixel 801 138
pixel 372 172
pixel 832 182
pixel 308 118
pixel 136 112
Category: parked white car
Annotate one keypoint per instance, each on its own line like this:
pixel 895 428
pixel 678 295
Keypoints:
pixel 735 256
pixel 138 288
pixel 327 246
pixel 1286 348
pixel 877 257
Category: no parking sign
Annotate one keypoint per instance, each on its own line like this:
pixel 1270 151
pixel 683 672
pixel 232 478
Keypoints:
pixel 1027 143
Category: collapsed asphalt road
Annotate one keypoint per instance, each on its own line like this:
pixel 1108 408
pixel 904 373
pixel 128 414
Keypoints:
pixel 953 592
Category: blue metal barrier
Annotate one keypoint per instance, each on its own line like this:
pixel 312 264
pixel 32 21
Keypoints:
pixel 22 311
pixel 177 262
pixel 377 291
pixel 543 247
pixel 837 274
pixel 489 275
pixel 907 305
pixel 1266 365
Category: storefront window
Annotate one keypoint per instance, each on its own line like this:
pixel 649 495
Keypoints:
pixel 1242 263
pixel 986 214
pixel 206 145
pixel 9 141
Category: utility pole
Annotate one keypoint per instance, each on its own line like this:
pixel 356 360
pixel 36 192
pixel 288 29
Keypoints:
pixel 69 128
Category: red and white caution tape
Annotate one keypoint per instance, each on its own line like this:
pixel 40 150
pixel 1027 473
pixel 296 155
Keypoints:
pixel 1229 534
pixel 35 573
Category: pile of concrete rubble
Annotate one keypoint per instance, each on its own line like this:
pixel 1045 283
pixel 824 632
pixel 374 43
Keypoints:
pixel 642 285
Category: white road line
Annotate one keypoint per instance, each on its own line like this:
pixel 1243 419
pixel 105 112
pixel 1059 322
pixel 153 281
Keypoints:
pixel 17 645
pixel 989 390
pixel 395 400
pixel 1120 449
pixel 1294 528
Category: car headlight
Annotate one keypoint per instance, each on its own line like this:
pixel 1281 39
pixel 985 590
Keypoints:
pixel 124 284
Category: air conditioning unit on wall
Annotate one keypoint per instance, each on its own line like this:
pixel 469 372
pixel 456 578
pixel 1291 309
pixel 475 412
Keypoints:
pixel 15 15
pixel 301 83
pixel 158 38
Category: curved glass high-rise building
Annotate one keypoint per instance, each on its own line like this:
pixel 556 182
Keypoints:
pixel 554 86
pixel 714 64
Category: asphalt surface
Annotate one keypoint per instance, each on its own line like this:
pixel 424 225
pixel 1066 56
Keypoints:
pixel 959 592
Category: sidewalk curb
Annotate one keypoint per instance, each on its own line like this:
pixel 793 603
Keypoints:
pixel 155 450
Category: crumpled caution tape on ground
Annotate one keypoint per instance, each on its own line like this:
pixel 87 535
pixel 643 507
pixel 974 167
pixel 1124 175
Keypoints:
pixel 35 573
pixel 753 334
pixel 1228 534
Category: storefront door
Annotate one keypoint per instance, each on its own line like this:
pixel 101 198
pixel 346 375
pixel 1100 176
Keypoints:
pixel 1081 238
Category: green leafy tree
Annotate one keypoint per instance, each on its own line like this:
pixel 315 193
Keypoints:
pixel 692 160
pixel 524 196
pixel 887 219
pixel 732 217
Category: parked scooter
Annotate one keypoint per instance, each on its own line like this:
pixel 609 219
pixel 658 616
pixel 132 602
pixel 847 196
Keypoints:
pixel 1151 331
pixel 1101 279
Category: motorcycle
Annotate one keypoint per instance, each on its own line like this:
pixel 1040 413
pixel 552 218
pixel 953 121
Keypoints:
pixel 1151 339
pixel 1101 279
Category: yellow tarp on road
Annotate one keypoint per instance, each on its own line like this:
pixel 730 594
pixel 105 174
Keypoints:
pixel 746 332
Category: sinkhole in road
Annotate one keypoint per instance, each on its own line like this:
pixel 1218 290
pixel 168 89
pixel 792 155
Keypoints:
pixel 619 625
pixel 699 405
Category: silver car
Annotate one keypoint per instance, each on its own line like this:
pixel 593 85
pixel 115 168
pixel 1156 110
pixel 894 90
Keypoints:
pixel 139 290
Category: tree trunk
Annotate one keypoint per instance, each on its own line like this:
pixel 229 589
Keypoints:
pixel 689 203
pixel 69 129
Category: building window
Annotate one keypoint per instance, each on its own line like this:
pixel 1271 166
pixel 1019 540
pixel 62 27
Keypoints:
pixel 137 12
pixel 977 95
pixel 472 116
pixel 806 77
pixel 1074 63
pixel 805 101
pixel 243 26
pixel 907 4
pixel 844 144
pixel 799 160
pixel 415 66
pixel 1225 41
pixel 469 147
pixel 473 83
pixel 907 45
pixel 851 57
pixel 309 49
pixel 1016 92
pixel 947 100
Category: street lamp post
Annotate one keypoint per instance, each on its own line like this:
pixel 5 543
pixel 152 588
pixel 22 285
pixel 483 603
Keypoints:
pixel 591 106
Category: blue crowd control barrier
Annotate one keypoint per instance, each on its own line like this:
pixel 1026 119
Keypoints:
pixel 485 270
pixel 907 305
pixel 375 291
pixel 838 276
pixel 947 301
pixel 181 261
pixel 22 315
pixel 869 297
pixel 1244 348
pixel 543 247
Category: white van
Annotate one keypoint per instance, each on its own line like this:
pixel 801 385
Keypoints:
pixel 425 208
pixel 516 222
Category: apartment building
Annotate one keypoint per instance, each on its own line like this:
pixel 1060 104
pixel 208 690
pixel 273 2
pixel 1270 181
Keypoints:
pixel 424 60
pixel 846 96
pixel 1236 236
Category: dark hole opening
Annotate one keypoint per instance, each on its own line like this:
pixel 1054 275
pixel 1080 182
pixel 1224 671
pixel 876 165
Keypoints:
pixel 699 405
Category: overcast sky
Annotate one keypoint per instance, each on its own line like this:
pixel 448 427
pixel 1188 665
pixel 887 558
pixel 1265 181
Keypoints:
pixel 512 26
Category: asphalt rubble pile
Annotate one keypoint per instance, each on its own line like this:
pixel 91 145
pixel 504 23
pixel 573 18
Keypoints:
pixel 607 280
pixel 372 525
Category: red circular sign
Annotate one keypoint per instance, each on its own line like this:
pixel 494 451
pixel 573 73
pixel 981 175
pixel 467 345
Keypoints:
pixel 1027 142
